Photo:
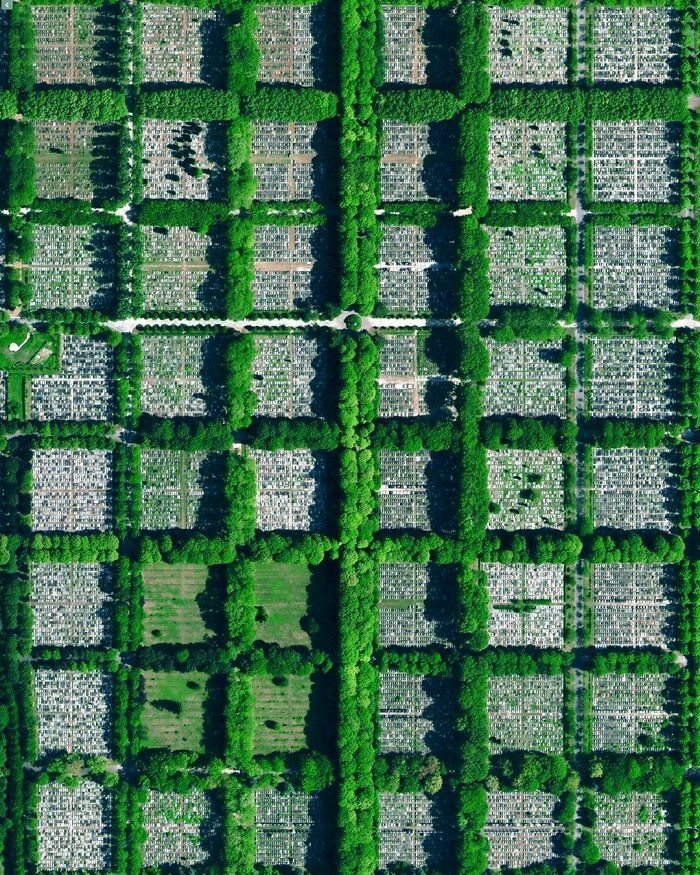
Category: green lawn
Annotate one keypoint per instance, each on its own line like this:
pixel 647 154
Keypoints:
pixel 282 590
pixel 181 731
pixel 39 353
pixel 171 612
pixel 286 707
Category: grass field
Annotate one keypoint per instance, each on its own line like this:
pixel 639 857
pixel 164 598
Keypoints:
pixel 282 590
pixel 164 728
pixel 36 352
pixel 171 612
pixel 285 706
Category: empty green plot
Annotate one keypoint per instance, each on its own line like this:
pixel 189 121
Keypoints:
pixel 173 711
pixel 171 604
pixel 281 598
pixel 280 713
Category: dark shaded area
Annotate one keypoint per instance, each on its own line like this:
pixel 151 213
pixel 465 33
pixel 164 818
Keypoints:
pixel 211 600
pixel 319 728
pixel 214 725
pixel 105 67
pixel 442 476
pixel 104 167
pixel 440 34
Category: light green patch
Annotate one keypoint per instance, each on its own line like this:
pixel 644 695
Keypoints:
pixel 171 613
pixel 282 590
pixel 183 731
pixel 37 353
pixel 280 714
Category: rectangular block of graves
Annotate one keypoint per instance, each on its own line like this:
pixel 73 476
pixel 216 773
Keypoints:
pixel 290 43
pixel 172 383
pixel 183 159
pixel 405 59
pixel 414 604
pixel 405 148
pixel 527 160
pixel 526 378
pixel 526 489
pixel 292 489
pixel 73 44
pixel 528 44
pixel 520 828
pixel 408 830
pixel 632 829
pixel 71 490
pixel 73 711
pixel 411 383
pixel 284 162
pixel 527 266
pixel 414 272
pixel 630 713
pixel 178 273
pixel 412 713
pixel 180 828
pixel 183 44
pixel 75 159
pixel 526 604
pixel 174 488
pixel 290 375
pixel 74 827
pixel 289 828
pixel 525 713
pixel 287 274
pixel 409 490
pixel 636 44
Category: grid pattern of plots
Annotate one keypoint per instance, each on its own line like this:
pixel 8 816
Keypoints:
pixel 291 487
pixel 407 829
pixel 408 269
pixel 527 266
pixel 179 828
pixel 284 263
pixel 629 713
pixel 529 44
pixel 175 271
pixel 74 826
pixel 182 159
pixel 635 44
pixel 526 489
pixel 71 604
pixel 527 160
pixel 289 375
pixel 404 51
pixel 172 380
pixel 520 828
pixel 404 149
pixel 173 488
pixel 288 828
pixel 71 490
pixel 633 605
pixel 411 713
pixel 65 42
pixel 526 378
pixel 410 383
pixel 73 711
pixel 286 42
pixel 283 160
pixel 632 829
pixel 526 604
pixel 525 713
pixel 178 43
pixel 414 604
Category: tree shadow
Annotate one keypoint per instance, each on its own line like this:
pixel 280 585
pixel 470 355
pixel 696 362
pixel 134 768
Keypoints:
pixel 319 622
pixel 442 483
pixel 212 510
pixel 319 726
pixel 105 64
pixel 214 725
pixel 214 63
pixel 440 40
pixel 104 166
pixel 214 395
pixel 324 163
pixel 212 598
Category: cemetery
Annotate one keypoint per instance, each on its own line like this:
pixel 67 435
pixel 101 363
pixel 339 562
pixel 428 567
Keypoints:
pixel 177 273
pixel 284 160
pixel 282 602
pixel 407 830
pixel 180 828
pixel 174 601
pixel 291 490
pixel 74 159
pixel 404 149
pixel 182 44
pixel 634 488
pixel 73 44
pixel 527 266
pixel 280 713
pixel 183 159
pixel 632 829
pixel 415 604
pixel 526 604
pixel 82 389
pixel 72 267
pixel 526 379
pixel 71 604
pixel 635 266
pixel 73 711
pixel 411 272
pixel 526 489
pixel 289 829
pixel 291 374
pixel 633 378
pixel 287 41
pixel 520 829
pixel 410 381
pixel 173 709
pixel 527 160
pixel 635 161
pixel 413 713
pixel 409 490
pixel 74 827
pixel 633 605
pixel 174 487
pixel 71 490
pixel 529 44
pixel 630 713
pixel 525 713
pixel 636 44
pixel 173 380
pixel 285 266
pixel 405 59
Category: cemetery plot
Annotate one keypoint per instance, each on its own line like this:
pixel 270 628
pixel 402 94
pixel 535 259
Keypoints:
pixel 636 44
pixel 529 44
pixel 74 827
pixel 526 605
pixel 180 828
pixel 525 713
pixel 410 382
pixel 526 489
pixel 520 829
pixel 173 711
pixel 407 830
pixel 72 267
pixel 633 378
pixel 3 395
pixel 289 829
pixel 405 60
pixel 632 829
pixel 71 490
pixel 526 379
pixel 630 712
pixel 183 159
pixel 73 44
pixel 633 605
pixel 280 713
pixel 527 160
pixel 174 598
pixel 71 604
pixel 635 161
pixel 74 159
pixel 412 713
pixel 527 266
pixel 82 389
pixel 415 491
pixel 173 375
pixel 182 44
pixel 282 601
pixel 284 161
pixel 4 21
pixel 414 604
pixel 73 711
pixel 290 375
pixel 285 266
pixel 410 271
pixel 635 266
pixel 176 272
pixel 291 489
pixel 404 150
pixel 287 42
pixel 174 486
pixel 634 488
